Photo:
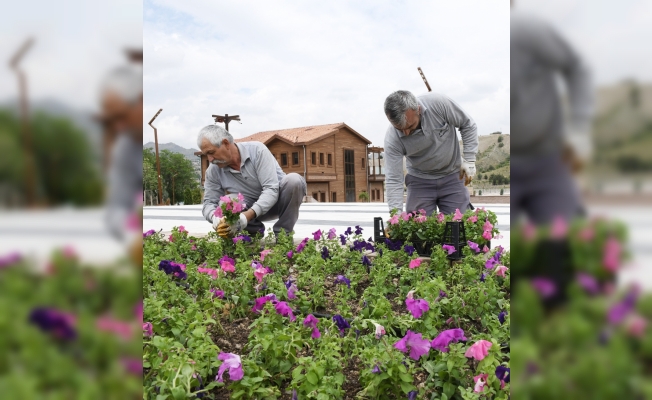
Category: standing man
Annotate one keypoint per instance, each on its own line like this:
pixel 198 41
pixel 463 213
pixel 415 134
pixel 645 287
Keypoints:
pixel 248 168
pixel 423 131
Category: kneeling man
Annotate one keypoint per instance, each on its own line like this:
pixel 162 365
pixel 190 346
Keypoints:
pixel 248 168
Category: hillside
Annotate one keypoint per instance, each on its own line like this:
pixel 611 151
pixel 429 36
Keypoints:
pixel 492 157
pixel 188 153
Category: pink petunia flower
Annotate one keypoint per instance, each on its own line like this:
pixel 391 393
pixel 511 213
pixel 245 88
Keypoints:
pixel 393 220
pixel 611 255
pixel 458 215
pixel 117 327
pixel 480 382
pixel 405 216
pixel 233 363
pixel 544 286
pixel 260 272
pixel 636 326
pixel 587 234
pixel 485 249
pixel 415 342
pixel 311 321
pixel 441 217
pixel 237 207
pixel 529 231
pixel 486 235
pixel 264 254
pixel 448 248
pixel 218 212
pixel 241 198
pixel 500 270
pixel 332 234
pixel 559 228
pixel 416 306
pixel 472 218
pixel 208 271
pixel 148 329
pixel 227 264
pixel 415 263
pixel 421 219
pixel 444 338
pixel 478 350
pixel 487 225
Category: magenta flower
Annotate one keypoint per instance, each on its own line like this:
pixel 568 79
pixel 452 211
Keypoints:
pixel 227 264
pixel 332 234
pixel 487 226
pixel 415 263
pixel 292 292
pixel 444 338
pixel 416 307
pixel 486 235
pixel 132 365
pixel 473 246
pixel 259 303
pixel 316 234
pixel 284 309
pixel 500 270
pixel 233 363
pixel 588 283
pixel 290 254
pixel 458 215
pixel 485 249
pixel 148 329
pixel 311 321
pixel 217 293
pixel 209 271
pixel 544 286
pixel 145 234
pixel 415 342
pixel 301 245
pixel 448 248
pixel 117 327
pixel 478 350
pixel 559 228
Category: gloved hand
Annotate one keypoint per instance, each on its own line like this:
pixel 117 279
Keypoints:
pixel 578 148
pixel 468 170
pixel 225 231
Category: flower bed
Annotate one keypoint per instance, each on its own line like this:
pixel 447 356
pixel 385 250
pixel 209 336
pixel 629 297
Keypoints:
pixel 336 316
pixel 72 332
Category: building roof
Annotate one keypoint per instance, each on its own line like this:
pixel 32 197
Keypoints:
pixel 301 136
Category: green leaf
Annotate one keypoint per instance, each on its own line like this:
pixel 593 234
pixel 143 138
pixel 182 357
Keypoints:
pixel 176 331
pixel 402 368
pixel 449 389
pixel 405 377
pixel 450 364
pixel 178 393
pixel 407 387
pixel 312 378
pixel 297 374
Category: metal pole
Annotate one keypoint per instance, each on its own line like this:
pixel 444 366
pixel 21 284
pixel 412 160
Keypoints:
pixel 158 162
pixel 226 122
pixel 30 181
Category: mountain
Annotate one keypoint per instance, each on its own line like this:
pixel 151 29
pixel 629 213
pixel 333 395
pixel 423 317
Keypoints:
pixel 492 157
pixel 188 153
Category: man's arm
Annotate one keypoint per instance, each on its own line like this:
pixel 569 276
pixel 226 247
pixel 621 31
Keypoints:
pixel 456 116
pixel 394 178
pixel 266 171
pixel 212 193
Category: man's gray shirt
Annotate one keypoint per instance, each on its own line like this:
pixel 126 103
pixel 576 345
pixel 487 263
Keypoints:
pixel 537 55
pixel 258 180
pixel 431 152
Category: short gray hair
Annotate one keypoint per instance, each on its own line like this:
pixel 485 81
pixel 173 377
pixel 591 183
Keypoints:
pixel 397 104
pixel 215 134
pixel 126 82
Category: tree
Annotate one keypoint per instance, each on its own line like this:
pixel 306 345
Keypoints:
pixel 177 174
pixel 363 196
pixel 500 139
pixel 501 192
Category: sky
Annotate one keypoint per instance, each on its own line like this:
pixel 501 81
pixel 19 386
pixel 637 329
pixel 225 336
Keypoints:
pixel 287 64
pixel 76 44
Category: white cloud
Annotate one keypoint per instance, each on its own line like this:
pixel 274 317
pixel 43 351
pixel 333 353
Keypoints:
pixel 289 64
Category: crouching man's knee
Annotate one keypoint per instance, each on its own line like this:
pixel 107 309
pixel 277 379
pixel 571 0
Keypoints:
pixel 295 184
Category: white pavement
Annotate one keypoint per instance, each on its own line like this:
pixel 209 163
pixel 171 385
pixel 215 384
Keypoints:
pixel 312 216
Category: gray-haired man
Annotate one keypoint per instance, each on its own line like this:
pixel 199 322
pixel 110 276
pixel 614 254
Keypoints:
pixel 423 131
pixel 248 168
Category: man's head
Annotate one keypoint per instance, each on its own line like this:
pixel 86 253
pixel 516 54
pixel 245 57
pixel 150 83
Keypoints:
pixel 217 144
pixel 403 111
pixel 122 101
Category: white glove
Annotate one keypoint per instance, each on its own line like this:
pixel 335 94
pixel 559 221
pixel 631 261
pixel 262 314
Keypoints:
pixel 468 167
pixel 216 221
pixel 581 143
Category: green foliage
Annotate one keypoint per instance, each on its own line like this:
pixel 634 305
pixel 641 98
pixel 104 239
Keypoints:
pixel 65 169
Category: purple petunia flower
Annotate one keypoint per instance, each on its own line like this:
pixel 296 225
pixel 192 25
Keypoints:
pixel 444 338
pixel 311 321
pixel 10 259
pixel 341 279
pixel 448 248
pixel 544 286
pixel 474 246
pixel 290 254
pixel 149 233
pixel 620 310
pixel 358 230
pixel 332 234
pixel 501 317
pixel 217 293
pixel 366 261
pixel 317 234
pixel 292 292
pixel 132 365
pixel 503 373
pixel 348 231
pixel 302 245
pixel 442 294
pixel 324 253
pixel 376 369
pixel 408 249
pixel 412 395
pixel 343 240
pixel 288 283
pixel 172 268
pixel 588 283
pixel 233 363
pixel 260 302
pixel 244 238
pixel 482 277
pixel 415 342
pixel 284 309
pixel 295 396
pixel 342 324
pixel 59 324
pixel 417 307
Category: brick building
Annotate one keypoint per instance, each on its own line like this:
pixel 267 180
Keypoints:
pixel 332 158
